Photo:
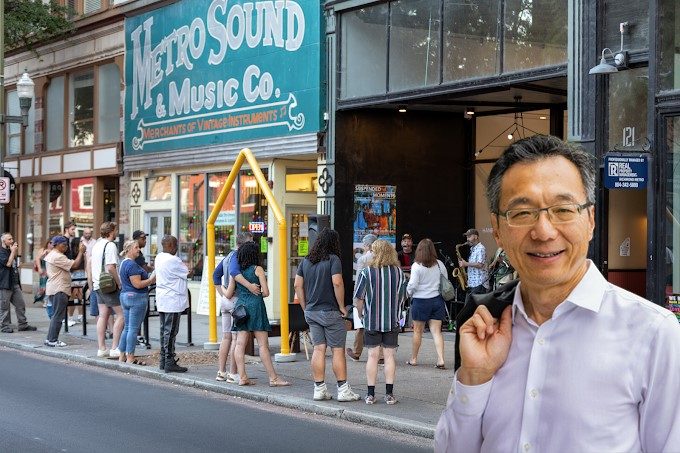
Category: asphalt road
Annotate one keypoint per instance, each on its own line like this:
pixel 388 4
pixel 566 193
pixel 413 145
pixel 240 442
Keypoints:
pixel 49 405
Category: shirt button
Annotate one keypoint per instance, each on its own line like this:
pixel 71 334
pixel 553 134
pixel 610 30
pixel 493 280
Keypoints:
pixel 533 393
pixel 527 446
pixel 541 341
pixel 464 399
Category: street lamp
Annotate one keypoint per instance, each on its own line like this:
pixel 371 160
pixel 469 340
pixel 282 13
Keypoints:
pixel 25 92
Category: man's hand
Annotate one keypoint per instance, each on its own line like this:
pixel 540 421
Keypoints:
pixel 462 263
pixel 484 345
pixel 14 247
pixel 343 310
pixel 254 288
pixel 82 247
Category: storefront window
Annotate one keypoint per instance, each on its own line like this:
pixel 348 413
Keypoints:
pixel 225 225
pixel 158 188
pixel 54 116
pixel 414 43
pixel 108 121
pixel 55 210
pixel 13 130
pixel 301 180
pixel 253 211
pixel 535 34
pixel 82 204
pixel 29 225
pixel 191 222
pixel 363 54
pixel 669 45
pixel 81 107
pixel 672 214
pixel 470 39
pixel 627 121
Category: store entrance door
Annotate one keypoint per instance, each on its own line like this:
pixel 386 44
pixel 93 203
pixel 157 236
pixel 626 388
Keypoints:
pixel 298 233
pixel 157 224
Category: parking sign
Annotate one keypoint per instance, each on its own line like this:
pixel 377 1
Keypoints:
pixel 4 190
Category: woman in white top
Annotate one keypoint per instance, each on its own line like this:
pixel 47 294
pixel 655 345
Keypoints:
pixel 427 304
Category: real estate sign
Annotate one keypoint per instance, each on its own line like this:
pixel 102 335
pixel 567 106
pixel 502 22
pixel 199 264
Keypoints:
pixel 205 72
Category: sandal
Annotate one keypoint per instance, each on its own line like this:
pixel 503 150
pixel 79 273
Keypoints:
pixel 440 367
pixel 246 382
pixel 137 362
pixel 408 362
pixel 278 382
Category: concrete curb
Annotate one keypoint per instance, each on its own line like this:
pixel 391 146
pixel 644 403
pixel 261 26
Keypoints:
pixel 326 409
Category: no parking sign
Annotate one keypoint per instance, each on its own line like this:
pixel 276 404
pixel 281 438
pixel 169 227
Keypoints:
pixel 4 190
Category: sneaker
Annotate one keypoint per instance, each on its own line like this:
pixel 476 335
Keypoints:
pixel 7 330
pixel 390 399
pixel 102 352
pixel 71 322
pixel 27 328
pixel 114 353
pixel 350 353
pixel 232 378
pixel 79 318
pixel 321 393
pixel 221 376
pixel 172 367
pixel 345 393
pixel 370 399
pixel 55 344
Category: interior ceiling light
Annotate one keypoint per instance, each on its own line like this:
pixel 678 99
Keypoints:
pixel 543 117
pixel 620 58
pixel 517 130
pixel 402 109
pixel 469 111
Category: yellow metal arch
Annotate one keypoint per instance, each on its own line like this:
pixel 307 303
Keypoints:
pixel 282 245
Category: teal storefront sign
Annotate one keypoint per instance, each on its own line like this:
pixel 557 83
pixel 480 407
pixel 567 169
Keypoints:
pixel 205 72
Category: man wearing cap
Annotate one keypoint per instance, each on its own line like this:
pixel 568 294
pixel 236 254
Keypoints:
pixel 477 274
pixel 407 255
pixel 10 286
pixel 140 237
pixel 362 263
pixel 59 268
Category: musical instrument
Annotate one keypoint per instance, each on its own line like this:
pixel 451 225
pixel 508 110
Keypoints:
pixel 459 272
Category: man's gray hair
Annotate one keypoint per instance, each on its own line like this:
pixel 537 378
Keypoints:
pixel 243 237
pixel 533 149
pixel 369 239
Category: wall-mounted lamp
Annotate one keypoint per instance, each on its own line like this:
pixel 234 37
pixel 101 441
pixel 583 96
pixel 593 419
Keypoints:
pixel 468 113
pixel 620 58
pixel 402 109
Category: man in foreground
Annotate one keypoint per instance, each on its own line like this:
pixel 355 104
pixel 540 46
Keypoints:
pixel 570 362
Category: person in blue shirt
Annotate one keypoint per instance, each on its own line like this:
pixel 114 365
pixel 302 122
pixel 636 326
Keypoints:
pixel 134 298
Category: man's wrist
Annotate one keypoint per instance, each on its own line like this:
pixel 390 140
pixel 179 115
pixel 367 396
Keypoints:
pixel 474 376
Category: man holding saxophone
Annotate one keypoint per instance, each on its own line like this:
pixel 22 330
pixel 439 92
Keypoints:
pixel 477 273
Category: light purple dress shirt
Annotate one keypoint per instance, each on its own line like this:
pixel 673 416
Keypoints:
pixel 602 375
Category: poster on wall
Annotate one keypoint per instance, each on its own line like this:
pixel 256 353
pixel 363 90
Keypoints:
pixel 375 212
pixel 674 304
pixel 203 307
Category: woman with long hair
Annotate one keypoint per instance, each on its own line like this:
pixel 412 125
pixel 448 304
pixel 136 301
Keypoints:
pixel 134 298
pixel 257 322
pixel 379 296
pixel 427 304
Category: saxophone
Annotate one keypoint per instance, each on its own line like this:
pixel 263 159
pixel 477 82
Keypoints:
pixel 459 272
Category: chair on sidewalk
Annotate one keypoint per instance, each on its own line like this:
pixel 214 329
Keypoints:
pixel 298 327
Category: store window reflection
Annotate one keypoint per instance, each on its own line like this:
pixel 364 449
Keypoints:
pixel 225 224
pixel 82 203
pixel 191 222
pixel 672 214
pixel 669 45
pixel 55 210
pixel 29 224
pixel 253 211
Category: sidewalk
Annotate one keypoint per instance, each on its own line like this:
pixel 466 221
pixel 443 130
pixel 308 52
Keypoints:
pixel 421 390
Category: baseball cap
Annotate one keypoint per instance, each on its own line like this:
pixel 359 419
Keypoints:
pixel 138 234
pixel 470 232
pixel 406 236
pixel 369 239
pixel 59 239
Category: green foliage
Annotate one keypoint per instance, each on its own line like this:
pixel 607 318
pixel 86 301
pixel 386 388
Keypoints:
pixel 28 22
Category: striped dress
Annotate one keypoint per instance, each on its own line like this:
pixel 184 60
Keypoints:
pixel 383 291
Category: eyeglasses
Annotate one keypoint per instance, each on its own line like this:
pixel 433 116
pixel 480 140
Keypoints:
pixel 559 213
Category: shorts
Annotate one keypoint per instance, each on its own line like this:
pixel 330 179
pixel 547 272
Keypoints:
pixel 110 299
pixel 94 308
pixel 327 327
pixel 78 279
pixel 226 306
pixel 426 309
pixel 388 340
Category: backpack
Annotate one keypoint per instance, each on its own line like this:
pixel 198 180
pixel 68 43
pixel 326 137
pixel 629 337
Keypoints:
pixel 107 284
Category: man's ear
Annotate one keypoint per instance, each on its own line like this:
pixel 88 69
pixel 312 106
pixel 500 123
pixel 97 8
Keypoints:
pixel 495 224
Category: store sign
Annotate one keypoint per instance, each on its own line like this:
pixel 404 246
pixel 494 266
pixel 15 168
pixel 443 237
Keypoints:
pixel 226 218
pixel 257 227
pixel 4 190
pixel 205 72
pixel 625 172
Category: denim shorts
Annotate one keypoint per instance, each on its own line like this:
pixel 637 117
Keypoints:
pixel 94 308
pixel 426 309
pixel 109 299
pixel 327 327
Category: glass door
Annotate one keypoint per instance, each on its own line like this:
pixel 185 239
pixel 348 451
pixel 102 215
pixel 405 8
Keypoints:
pixel 298 241
pixel 669 259
pixel 157 224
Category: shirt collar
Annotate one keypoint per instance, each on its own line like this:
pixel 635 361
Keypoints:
pixel 588 293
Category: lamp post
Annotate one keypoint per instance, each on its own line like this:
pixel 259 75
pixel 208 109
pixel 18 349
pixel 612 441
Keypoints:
pixel 25 92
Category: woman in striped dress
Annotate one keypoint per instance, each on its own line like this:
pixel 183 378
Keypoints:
pixel 379 296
